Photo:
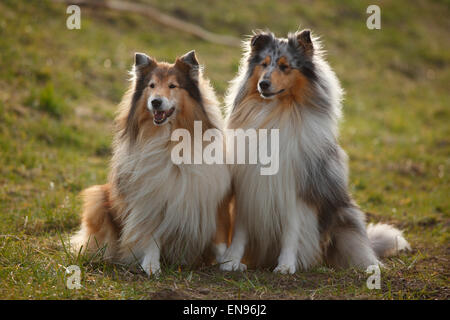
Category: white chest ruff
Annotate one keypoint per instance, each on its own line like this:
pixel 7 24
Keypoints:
pixel 176 204
pixel 263 202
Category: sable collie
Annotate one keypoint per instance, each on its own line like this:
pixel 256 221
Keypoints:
pixel 152 208
pixel 304 214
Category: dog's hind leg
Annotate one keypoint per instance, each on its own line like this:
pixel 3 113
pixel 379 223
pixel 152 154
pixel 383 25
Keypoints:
pixel 350 245
pixel 98 233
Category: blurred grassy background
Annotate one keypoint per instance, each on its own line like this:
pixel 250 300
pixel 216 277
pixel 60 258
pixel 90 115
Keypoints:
pixel 58 93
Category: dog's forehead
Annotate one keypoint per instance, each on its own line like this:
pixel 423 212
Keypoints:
pixel 278 48
pixel 163 72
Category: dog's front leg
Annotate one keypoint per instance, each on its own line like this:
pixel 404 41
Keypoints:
pixel 231 260
pixel 223 229
pixel 287 260
pixel 150 263
pixel 300 242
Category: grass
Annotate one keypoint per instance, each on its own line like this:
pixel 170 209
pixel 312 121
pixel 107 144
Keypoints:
pixel 58 94
pixel 47 101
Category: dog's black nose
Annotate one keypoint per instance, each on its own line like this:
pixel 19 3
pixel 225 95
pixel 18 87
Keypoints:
pixel 156 103
pixel 264 84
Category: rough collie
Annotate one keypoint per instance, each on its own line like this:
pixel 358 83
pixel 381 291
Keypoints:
pixel 151 208
pixel 304 214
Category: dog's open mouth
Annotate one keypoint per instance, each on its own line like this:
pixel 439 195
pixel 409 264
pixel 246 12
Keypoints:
pixel 270 94
pixel 159 117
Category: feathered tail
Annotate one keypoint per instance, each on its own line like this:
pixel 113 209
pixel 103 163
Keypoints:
pixel 358 245
pixel 386 240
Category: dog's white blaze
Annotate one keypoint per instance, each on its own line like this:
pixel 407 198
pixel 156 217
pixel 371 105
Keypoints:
pixel 166 104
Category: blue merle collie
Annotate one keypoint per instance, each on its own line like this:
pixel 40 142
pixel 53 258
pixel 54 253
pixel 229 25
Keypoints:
pixel 304 214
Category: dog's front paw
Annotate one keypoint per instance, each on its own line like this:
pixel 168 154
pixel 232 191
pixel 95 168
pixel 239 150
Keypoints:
pixel 219 252
pixel 151 268
pixel 285 269
pixel 233 265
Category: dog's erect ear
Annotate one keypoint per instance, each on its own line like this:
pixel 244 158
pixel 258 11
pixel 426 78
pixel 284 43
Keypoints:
pixel 259 41
pixel 190 58
pixel 188 63
pixel 142 60
pixel 304 41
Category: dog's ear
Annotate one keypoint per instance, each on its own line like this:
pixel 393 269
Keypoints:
pixel 260 41
pixel 190 58
pixel 303 40
pixel 142 60
pixel 188 63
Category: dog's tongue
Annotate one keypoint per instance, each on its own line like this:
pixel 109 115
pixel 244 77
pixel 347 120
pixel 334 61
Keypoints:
pixel 159 115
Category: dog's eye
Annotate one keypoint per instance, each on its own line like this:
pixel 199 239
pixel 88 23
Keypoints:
pixel 264 64
pixel 152 85
pixel 171 86
pixel 283 67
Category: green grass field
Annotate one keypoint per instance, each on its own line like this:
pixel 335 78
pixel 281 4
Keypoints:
pixel 58 94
